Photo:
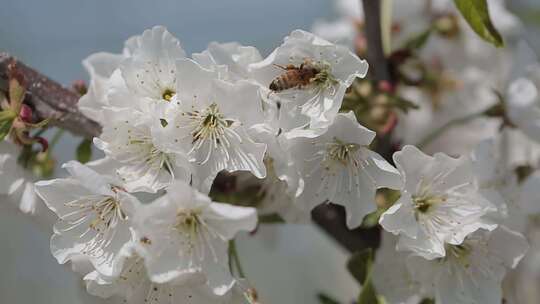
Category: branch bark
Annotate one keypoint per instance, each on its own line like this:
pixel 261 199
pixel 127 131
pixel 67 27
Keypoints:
pixel 49 99
pixel 378 63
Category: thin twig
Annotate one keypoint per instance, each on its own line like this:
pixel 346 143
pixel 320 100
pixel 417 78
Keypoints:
pixel 438 132
pixel 378 64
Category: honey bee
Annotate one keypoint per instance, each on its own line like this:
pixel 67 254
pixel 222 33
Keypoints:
pixel 295 77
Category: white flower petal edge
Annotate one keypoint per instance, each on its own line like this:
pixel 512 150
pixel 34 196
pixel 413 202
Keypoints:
pixel 100 67
pixel 331 69
pixel 440 203
pixel 94 216
pixel 231 59
pixel 185 233
pixel 338 167
pixel 472 272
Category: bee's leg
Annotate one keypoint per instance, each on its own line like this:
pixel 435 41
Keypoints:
pixel 281 67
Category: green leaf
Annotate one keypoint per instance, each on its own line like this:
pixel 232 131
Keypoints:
pixel 273 218
pixel 84 151
pixel 360 265
pixel 368 295
pixel 418 41
pixel 5 127
pixel 371 220
pixel 477 15
pixel 325 299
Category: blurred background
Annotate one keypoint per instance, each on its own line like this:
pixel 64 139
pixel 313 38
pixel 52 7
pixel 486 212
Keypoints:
pixel 288 264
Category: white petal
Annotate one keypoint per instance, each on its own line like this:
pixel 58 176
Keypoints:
pixel 29 199
pixel 88 178
pixel 228 220
pixel 55 193
pixel 508 245
pixel 384 174
pixel 400 219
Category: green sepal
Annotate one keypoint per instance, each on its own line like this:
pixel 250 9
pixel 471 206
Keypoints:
pixel 84 151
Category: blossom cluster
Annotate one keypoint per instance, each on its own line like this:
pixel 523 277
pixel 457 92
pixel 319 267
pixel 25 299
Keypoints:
pixel 171 124
pixel 459 223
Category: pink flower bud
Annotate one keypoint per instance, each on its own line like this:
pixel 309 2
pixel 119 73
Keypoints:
pixel 26 113
pixel 386 86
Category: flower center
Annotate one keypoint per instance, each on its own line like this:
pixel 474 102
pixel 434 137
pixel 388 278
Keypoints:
pixel 98 215
pixel 341 152
pixel 168 94
pixel 212 124
pixel 108 213
pixel 324 77
pixel 211 131
pixel 143 149
pixel 458 253
pixel 423 204
pixel 188 222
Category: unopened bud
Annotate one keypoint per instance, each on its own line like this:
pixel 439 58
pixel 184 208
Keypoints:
pixel 447 26
pixel 80 87
pixel 379 113
pixel 386 86
pixel 381 100
pixel 363 89
pixel 26 113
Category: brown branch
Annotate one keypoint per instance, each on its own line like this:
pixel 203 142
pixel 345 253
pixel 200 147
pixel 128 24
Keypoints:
pixel 49 99
pixel 378 63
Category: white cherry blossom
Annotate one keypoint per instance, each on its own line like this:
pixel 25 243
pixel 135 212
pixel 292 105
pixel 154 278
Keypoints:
pixel 211 122
pixel 16 184
pixel 142 78
pixel 144 164
pixel 94 216
pixel 331 70
pixel 150 71
pixel 133 286
pixel 338 167
pixel 440 203
pixel 184 233
pixel 471 272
